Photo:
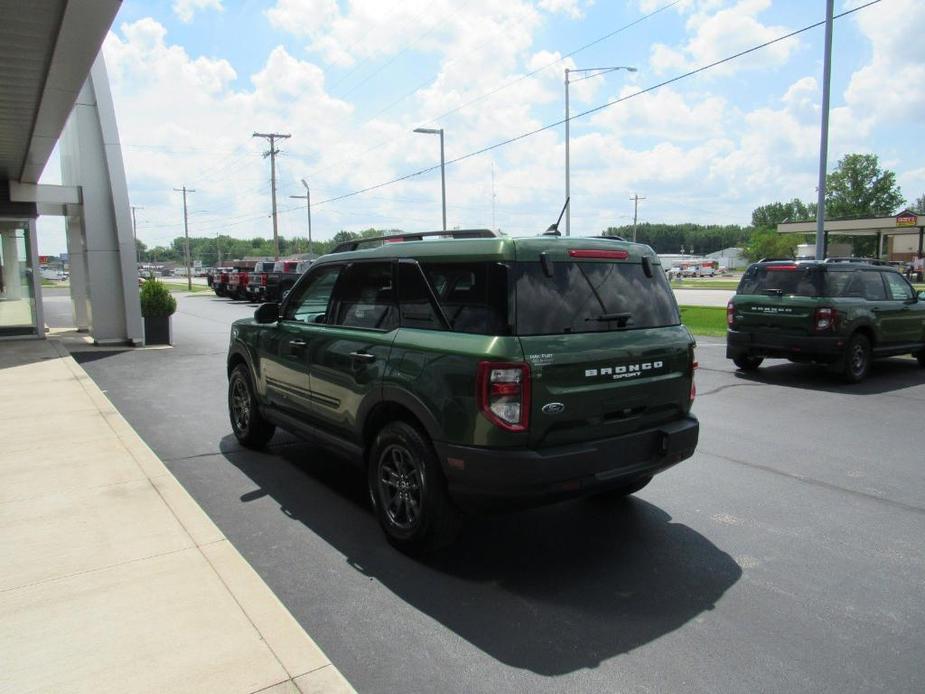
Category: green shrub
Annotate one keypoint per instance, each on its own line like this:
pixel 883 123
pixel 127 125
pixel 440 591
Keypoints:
pixel 156 299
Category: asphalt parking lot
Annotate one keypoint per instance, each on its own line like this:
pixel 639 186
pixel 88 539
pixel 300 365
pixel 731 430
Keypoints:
pixel 786 555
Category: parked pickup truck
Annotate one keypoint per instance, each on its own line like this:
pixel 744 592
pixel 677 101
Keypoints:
pixel 271 285
pixel 258 279
pixel 218 280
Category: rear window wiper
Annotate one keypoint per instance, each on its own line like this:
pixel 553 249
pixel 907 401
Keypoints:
pixel 623 318
pixel 774 292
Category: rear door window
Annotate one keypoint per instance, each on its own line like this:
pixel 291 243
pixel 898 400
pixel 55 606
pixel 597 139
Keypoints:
pixel 417 309
pixel 583 297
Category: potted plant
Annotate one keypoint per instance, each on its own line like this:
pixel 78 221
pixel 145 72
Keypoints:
pixel 157 305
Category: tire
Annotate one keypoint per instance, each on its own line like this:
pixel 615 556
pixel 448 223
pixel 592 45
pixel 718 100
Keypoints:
pixel 747 363
pixel 618 493
pixel 408 491
pixel 921 357
pixel 856 362
pixel 248 425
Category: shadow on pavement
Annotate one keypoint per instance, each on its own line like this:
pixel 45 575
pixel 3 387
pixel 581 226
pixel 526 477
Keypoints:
pixel 550 590
pixel 886 376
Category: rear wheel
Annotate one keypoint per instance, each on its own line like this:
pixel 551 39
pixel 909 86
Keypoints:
pixel 248 425
pixel 408 491
pixel 747 363
pixel 856 364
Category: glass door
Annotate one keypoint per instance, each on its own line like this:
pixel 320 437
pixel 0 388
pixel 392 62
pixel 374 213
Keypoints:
pixel 17 297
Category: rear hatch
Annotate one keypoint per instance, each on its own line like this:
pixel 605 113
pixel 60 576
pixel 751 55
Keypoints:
pixel 601 331
pixel 779 299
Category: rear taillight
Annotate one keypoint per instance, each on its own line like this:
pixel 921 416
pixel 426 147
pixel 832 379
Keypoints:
pixel 263 279
pixel 730 314
pixel 694 366
pixel 503 393
pixel 824 319
pixel 224 278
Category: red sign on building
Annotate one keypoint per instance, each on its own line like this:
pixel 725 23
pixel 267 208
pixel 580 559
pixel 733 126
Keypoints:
pixel 907 219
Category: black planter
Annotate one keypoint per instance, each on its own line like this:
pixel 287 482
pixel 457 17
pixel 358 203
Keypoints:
pixel 157 330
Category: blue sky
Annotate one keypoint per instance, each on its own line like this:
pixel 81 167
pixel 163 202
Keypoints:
pixel 192 79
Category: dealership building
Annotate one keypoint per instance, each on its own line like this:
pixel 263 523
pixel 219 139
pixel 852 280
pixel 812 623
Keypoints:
pixel 54 91
pixel 899 238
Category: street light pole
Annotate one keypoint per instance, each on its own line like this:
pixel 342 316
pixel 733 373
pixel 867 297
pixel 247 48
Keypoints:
pixel 308 206
pixel 439 131
pixel 568 184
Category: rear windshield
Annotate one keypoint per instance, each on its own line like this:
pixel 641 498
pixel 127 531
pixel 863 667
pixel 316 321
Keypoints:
pixel 813 281
pixel 791 280
pixel 591 297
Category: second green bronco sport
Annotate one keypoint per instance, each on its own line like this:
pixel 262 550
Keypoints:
pixel 474 369
pixel 842 312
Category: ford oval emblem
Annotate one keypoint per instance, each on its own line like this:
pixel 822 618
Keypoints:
pixel 553 408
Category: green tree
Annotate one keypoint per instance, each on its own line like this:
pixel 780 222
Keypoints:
pixel 770 215
pixel 919 205
pixel 858 187
pixel 767 243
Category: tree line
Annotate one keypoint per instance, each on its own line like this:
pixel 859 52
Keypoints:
pixel 857 187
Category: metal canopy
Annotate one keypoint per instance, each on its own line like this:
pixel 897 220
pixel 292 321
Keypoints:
pixel 870 226
pixel 46 50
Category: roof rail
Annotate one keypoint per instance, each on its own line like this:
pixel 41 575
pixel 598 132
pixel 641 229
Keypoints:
pixel 776 260
pixel 416 236
pixel 851 259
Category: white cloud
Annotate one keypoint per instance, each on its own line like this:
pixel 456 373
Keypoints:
pixel 302 17
pixel 717 35
pixel 186 9
pixel 888 89
pixel 572 8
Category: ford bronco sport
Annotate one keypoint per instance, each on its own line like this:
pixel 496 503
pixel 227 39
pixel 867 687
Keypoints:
pixel 472 370
pixel 842 312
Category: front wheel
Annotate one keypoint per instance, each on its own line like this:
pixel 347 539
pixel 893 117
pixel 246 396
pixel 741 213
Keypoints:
pixel 856 364
pixel 248 425
pixel 747 363
pixel 408 491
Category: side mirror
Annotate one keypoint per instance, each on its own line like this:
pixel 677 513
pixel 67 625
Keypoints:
pixel 267 313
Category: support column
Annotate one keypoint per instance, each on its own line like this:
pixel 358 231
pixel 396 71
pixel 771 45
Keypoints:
pixel 77 263
pixel 12 284
pixel 91 157
pixel 879 245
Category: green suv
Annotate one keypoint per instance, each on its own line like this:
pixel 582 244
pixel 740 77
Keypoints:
pixel 474 370
pixel 842 312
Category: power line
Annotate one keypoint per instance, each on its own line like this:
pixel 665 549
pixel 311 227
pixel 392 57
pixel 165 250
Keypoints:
pixel 635 94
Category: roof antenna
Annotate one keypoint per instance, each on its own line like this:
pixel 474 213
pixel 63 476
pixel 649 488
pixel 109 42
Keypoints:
pixel 553 229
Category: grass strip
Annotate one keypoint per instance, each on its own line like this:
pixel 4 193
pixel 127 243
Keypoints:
pixel 705 320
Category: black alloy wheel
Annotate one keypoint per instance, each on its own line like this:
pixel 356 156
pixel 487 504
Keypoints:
pixel 408 491
pixel 747 363
pixel 248 425
pixel 857 359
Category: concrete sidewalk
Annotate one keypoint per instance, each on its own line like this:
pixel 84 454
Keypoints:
pixel 112 578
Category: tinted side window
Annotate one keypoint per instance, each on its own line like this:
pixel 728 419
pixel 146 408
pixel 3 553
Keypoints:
pixel 873 288
pixel 899 288
pixel 474 296
pixel 310 303
pixel 365 298
pixel 417 308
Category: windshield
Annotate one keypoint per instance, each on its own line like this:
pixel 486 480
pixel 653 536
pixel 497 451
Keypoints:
pixel 591 297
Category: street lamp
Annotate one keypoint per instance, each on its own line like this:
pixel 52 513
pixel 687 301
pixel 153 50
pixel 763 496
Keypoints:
pixel 438 131
pixel 308 206
pixel 568 184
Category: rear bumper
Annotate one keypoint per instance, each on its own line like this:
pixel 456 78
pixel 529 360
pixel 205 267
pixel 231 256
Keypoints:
pixel 528 477
pixel 758 344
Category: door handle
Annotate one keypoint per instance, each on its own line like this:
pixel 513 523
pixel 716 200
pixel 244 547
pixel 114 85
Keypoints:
pixel 364 357
pixel 297 343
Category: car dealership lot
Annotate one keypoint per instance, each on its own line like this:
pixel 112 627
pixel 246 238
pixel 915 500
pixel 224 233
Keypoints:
pixel 786 555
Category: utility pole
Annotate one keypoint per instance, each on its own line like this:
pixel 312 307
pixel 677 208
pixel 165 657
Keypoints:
pixel 135 231
pixel 189 269
pixel 635 200
pixel 273 137
pixel 493 196
pixel 824 135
